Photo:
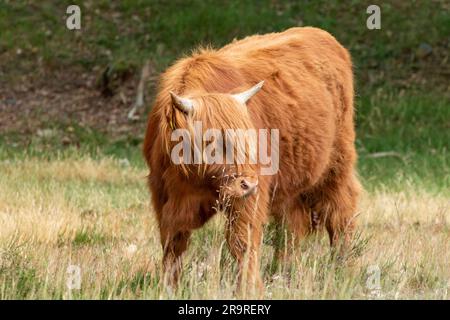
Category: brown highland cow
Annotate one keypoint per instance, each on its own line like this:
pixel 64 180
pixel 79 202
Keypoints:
pixel 307 95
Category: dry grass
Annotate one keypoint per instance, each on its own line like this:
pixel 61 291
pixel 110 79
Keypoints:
pixel 95 214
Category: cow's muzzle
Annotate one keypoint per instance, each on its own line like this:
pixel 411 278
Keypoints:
pixel 243 186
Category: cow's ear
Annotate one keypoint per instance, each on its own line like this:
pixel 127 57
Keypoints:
pixel 243 97
pixel 183 104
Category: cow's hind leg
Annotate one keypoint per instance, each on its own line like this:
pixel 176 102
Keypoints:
pixel 292 224
pixel 336 202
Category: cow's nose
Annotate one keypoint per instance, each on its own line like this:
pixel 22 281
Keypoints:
pixel 248 187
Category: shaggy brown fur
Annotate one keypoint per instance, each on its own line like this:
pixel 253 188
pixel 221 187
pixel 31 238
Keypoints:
pixel 307 95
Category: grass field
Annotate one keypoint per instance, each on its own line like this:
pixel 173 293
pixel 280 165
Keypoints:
pixel 95 215
pixel 72 195
pixel 90 208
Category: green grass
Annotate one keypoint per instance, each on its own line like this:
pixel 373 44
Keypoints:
pixel 417 128
pixel 89 237
pixel 123 34
pixel 85 141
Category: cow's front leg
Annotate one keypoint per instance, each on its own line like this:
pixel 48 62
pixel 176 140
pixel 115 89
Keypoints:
pixel 179 217
pixel 175 230
pixel 244 229
pixel 174 243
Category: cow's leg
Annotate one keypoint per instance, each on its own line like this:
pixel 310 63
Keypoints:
pixel 293 224
pixel 244 230
pixel 179 217
pixel 174 244
pixel 175 226
pixel 173 233
pixel 337 203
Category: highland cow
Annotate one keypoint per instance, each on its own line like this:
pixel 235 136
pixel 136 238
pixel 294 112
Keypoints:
pixel 307 95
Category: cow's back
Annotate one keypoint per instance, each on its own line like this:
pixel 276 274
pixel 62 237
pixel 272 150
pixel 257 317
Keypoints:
pixel 308 88
pixel 305 43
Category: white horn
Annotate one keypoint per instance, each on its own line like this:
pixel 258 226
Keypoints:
pixel 243 97
pixel 185 105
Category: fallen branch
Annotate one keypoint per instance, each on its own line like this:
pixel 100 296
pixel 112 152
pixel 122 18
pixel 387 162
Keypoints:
pixel 384 154
pixel 139 102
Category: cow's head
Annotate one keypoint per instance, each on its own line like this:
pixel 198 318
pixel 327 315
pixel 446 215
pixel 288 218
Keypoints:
pixel 228 137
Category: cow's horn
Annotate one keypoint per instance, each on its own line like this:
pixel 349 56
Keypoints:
pixel 243 97
pixel 184 104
